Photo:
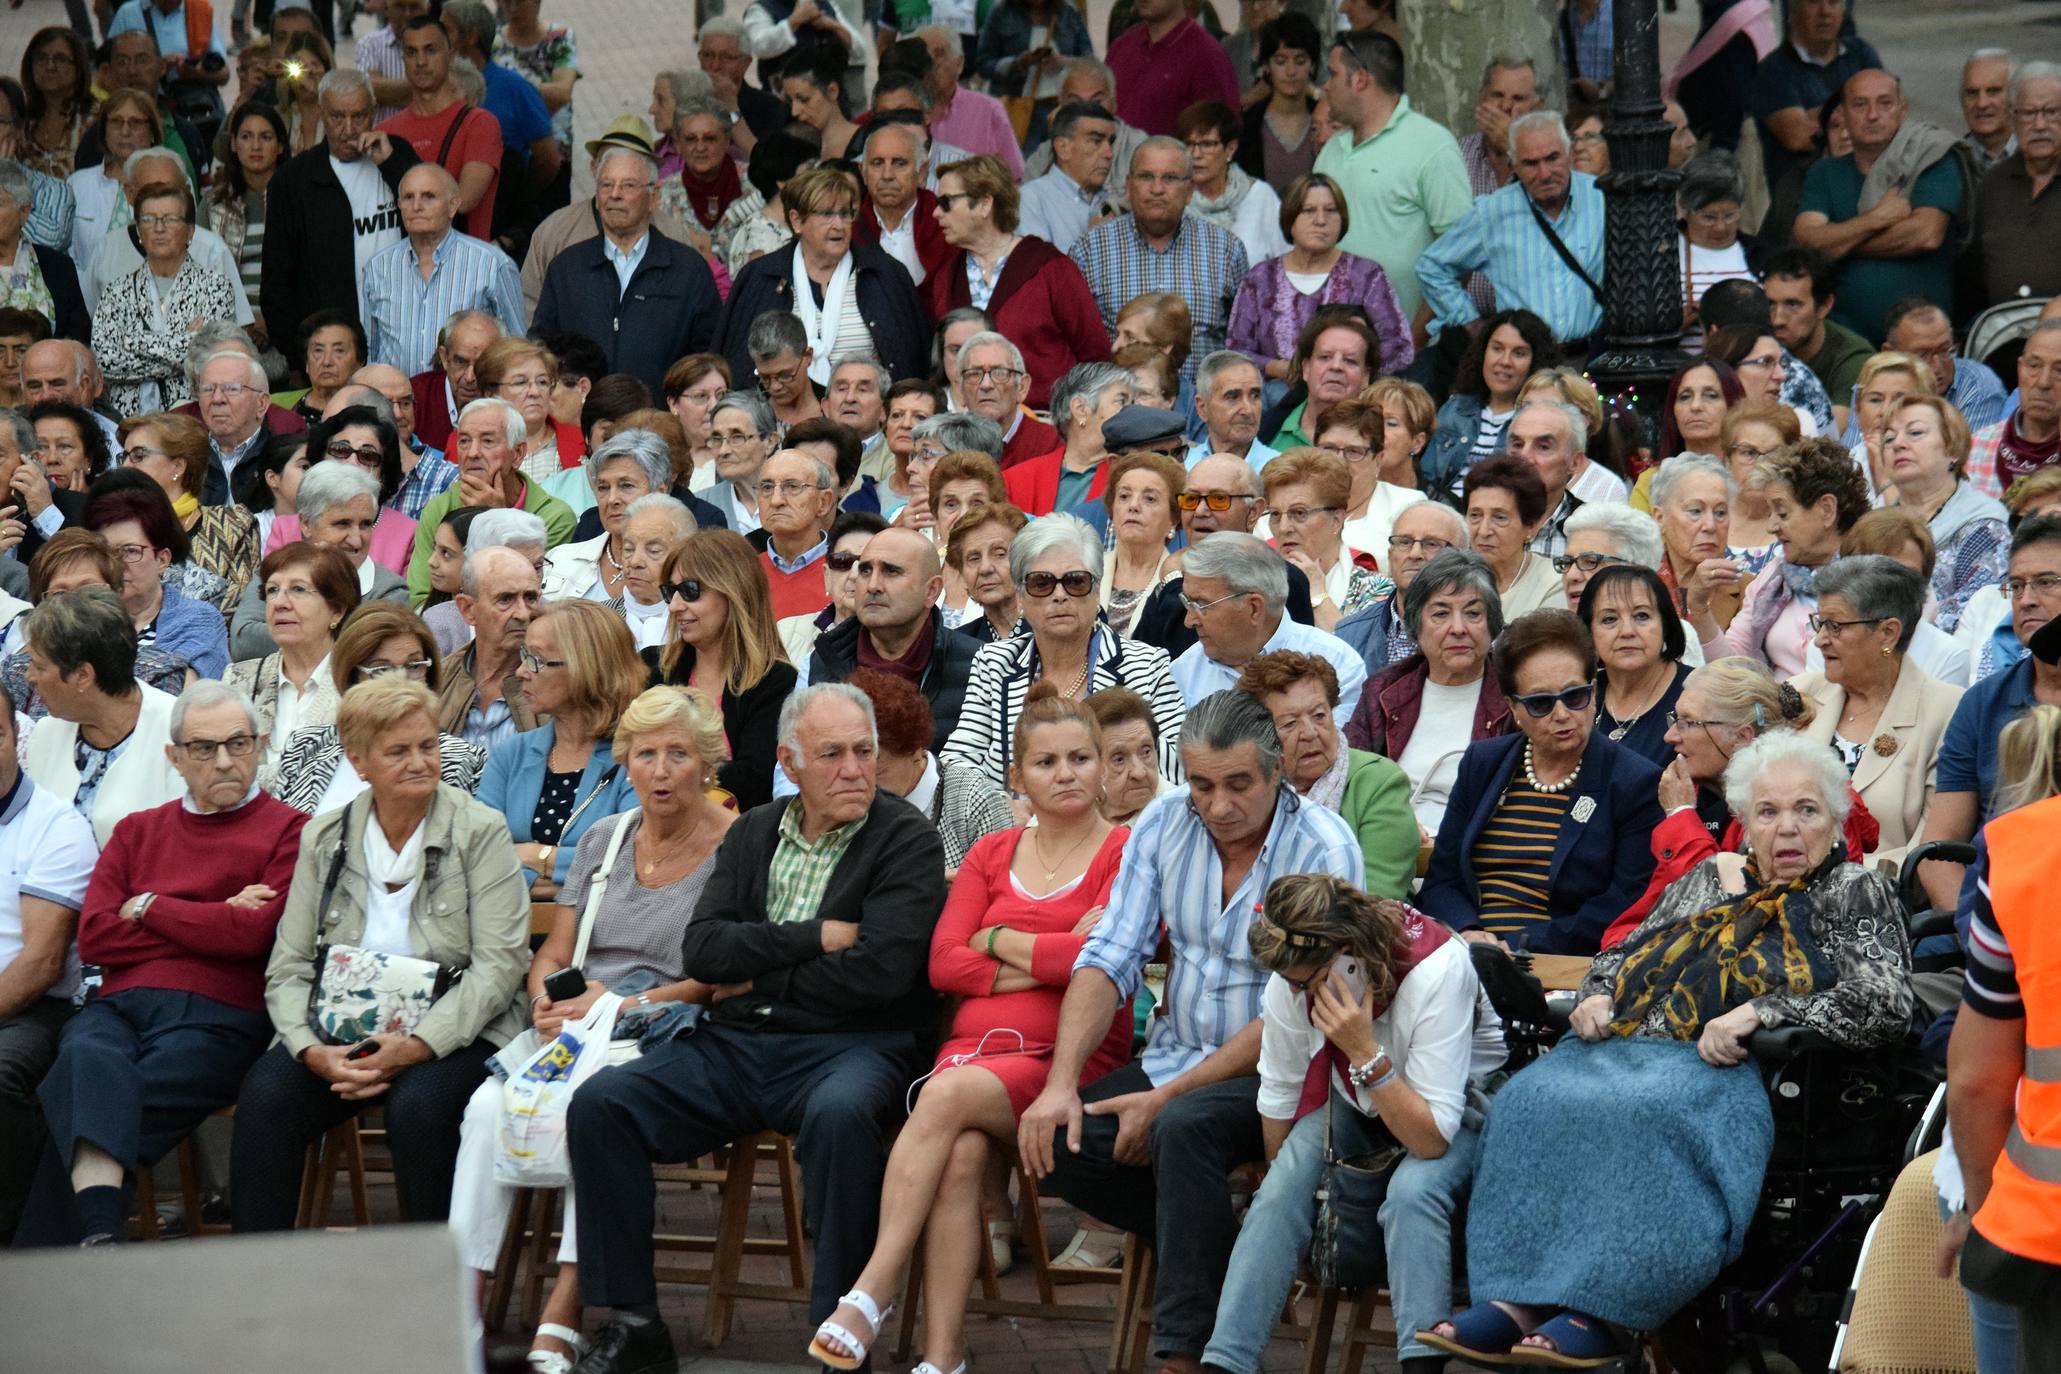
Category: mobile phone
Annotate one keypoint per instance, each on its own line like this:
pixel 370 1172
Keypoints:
pixel 1346 975
pixel 364 1049
pixel 565 985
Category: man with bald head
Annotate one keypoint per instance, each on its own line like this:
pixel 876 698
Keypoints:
pixel 411 288
pixel 449 384
pixel 898 211
pixel 1223 493
pixel 60 370
pixel 425 471
pixel 1422 529
pixel 896 627
pixel 481 699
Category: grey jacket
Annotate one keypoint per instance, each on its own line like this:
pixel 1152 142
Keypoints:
pixel 474 916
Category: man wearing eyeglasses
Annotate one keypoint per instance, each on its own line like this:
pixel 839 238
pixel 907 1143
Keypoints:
pixel 234 395
pixel 992 379
pixel 797 496
pixel 481 698
pixel 781 361
pixel 1236 595
pixel 1421 531
pixel 2016 223
pixel 1223 493
pixel 182 948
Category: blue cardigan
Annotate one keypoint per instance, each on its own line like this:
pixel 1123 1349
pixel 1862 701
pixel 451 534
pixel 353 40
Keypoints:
pixel 1601 864
pixel 195 631
pixel 514 779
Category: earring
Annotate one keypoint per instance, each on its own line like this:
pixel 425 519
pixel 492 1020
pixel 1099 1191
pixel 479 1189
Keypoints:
pixel 1885 651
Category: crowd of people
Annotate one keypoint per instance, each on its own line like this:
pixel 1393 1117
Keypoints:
pixel 976 605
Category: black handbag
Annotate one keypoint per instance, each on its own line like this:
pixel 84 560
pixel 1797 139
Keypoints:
pixel 1349 1198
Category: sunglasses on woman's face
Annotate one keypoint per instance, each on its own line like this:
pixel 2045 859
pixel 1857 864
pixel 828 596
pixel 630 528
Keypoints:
pixel 1539 705
pixel 688 589
pixel 1079 582
pixel 842 562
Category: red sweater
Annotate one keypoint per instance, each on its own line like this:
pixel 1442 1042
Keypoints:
pixel 191 939
pixel 797 593
pixel 1041 304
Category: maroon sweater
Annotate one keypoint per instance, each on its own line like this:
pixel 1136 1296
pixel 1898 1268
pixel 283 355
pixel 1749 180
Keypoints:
pixel 191 939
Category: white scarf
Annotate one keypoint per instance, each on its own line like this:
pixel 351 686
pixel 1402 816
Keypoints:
pixel 821 324
pixel 386 868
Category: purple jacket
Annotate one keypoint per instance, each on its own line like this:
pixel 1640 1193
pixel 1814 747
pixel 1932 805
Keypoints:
pixel 1269 312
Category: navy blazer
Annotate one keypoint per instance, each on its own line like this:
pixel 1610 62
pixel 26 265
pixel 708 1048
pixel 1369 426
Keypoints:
pixel 514 780
pixel 668 311
pixel 1601 865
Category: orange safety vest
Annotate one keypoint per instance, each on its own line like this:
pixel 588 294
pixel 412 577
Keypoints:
pixel 2022 1214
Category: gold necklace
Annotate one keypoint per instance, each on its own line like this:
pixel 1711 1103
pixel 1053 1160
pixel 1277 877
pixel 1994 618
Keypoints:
pixel 1038 849
pixel 679 849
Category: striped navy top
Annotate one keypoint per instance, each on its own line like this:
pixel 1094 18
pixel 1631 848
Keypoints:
pixel 1513 858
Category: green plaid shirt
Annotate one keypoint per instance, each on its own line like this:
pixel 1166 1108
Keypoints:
pixel 801 867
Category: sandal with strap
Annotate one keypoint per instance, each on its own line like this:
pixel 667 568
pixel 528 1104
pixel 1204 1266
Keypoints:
pixel 876 1318
pixel 1580 1341
pixel 1483 1333
pixel 928 1368
pixel 557 1361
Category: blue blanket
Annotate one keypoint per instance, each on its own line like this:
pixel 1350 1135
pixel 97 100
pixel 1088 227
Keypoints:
pixel 1616 1179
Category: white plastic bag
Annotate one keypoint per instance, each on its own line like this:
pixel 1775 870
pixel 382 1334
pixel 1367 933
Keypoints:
pixel 531 1151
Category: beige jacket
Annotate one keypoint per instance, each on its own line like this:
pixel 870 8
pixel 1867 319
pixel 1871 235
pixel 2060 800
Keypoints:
pixel 474 916
pixel 1900 759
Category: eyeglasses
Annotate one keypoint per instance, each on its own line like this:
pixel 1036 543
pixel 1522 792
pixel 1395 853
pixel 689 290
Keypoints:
pixel 1748 452
pixel 1216 500
pixel 738 440
pixel 415 669
pixel 841 562
pixel 1706 219
pixel 688 589
pixel 132 553
pixel 1300 515
pixel 142 453
pixel 205 750
pixel 1403 543
pixel 1820 625
pixel 998 375
pixel 1539 705
pixel 2046 584
pixel 1078 583
pixel 1587 562
pixel 1358 453
pixel 522 385
pixel 371 455
pixel 1675 722
pixel 1195 607
pixel 159 221
pixel 229 389
pixel 793 491
pixel 945 202
pixel 53 57
pixel 780 378
pixel 535 664
pixel 2044 114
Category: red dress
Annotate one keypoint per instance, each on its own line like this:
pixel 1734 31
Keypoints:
pixel 1020 1028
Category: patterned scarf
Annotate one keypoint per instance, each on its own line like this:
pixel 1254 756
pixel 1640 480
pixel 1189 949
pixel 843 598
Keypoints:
pixel 1752 945
pixel 22 285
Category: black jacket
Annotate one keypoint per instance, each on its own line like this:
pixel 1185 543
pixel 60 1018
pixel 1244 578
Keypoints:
pixel 944 677
pixel 891 881
pixel 311 257
pixel 1163 620
pixel 751 723
pixel 887 302
pixel 73 320
pixel 668 311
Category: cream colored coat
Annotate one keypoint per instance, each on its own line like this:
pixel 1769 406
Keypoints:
pixel 1901 759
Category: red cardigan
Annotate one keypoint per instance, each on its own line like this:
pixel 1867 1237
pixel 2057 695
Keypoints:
pixel 1041 304
pixel 1032 438
pixel 1034 485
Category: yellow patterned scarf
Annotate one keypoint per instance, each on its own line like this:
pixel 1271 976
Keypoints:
pixel 1753 945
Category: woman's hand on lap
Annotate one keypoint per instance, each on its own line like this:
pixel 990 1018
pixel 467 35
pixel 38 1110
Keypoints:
pixel 1591 1020
pixel 1723 1042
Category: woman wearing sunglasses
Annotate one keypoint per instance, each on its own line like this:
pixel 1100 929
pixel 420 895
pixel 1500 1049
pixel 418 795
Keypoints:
pixel 1544 841
pixel 723 640
pixel 1056 563
pixel 357 435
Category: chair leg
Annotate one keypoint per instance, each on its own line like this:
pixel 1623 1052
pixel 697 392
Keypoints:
pixel 507 1262
pixel 912 1298
pixel 354 1154
pixel 189 1188
pixel 1141 1309
pixel 543 1253
pixel 731 1224
pixel 1359 1330
pixel 791 1212
pixel 1316 1350
pixel 147 1227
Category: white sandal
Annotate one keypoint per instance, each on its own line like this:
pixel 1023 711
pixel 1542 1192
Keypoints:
pixel 928 1368
pixel 555 1361
pixel 876 1318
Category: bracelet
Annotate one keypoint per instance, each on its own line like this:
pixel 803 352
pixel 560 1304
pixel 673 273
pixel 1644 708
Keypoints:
pixel 993 931
pixel 540 997
pixel 1364 1075
pixel 1378 1084
pixel 548 853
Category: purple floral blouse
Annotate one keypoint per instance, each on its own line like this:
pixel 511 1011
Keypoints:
pixel 1269 312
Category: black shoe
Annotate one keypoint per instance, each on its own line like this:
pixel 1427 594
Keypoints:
pixel 626 1347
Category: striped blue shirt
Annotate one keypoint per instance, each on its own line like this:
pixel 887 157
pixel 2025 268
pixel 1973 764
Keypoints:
pixel 1203 265
pixel 1172 874
pixel 403 312
pixel 1499 239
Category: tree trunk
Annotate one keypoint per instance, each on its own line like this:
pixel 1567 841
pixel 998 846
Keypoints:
pixel 1446 43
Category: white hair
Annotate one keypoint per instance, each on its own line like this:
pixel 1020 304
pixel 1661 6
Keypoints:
pixel 1570 414
pixel 1456 521
pixel 1539 119
pixel 988 338
pixel 683 519
pixel 512 423
pixel 208 692
pixel 506 528
pixel 1779 747
pixel 614 150
pixel 339 79
pixel 1245 563
pixel 798 703
pixel 1673 471
pixel 2033 71
pixel 154 153
pixel 1636 535
pixel 254 369
pixel 476 561
pixel 640 448
pixel 1056 531
pixel 328 485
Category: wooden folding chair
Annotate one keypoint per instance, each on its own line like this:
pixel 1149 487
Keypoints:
pixel 342 1148
pixel 145 1225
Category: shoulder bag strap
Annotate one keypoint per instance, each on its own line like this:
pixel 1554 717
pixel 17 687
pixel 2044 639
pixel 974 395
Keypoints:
pixel 336 867
pixel 1566 255
pixel 598 888
pixel 451 136
pixel 600 786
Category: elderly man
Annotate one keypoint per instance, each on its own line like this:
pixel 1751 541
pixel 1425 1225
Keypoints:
pixel 1526 239
pixel 1404 179
pixel 1551 435
pixel 992 381
pixel 1223 493
pixel 441 127
pixel 1792 83
pixel 1229 395
pixel 857 399
pixel 180 1014
pixel 426 473
pixel 897 627
pixel 1895 246
pixel 781 360
pixel 1065 202
pixel 720 52
pixel 1918 327
pixel 1986 107
pixel 902 93
pixel 815 927
pixel 50 854
pixel 2016 221
pixel 411 288
pixel 1236 595
pixel 234 394
pixel 580 221
pixel 446 389
pixel 1146 1148
pixel 488 445
pixel 899 214
pixel 1509 88
pixel 1167 62
pixel 973 120
pixel 41 509
pixel 797 497
pixel 1160 247
pixel 481 698
pixel 646 299
pixel 2029 439
pixel 1377 633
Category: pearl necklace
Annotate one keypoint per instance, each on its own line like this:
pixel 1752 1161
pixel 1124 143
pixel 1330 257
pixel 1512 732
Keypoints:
pixel 1549 788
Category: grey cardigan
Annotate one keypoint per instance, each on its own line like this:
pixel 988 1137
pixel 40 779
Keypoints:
pixel 476 916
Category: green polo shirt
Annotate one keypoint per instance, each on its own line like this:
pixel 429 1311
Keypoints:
pixel 801 867
pixel 558 518
pixel 1403 188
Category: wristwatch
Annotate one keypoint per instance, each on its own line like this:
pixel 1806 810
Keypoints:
pixel 143 901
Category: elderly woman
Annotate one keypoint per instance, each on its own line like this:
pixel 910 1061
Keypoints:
pixel 579 672
pixel 630 465
pixel 1424 710
pixel 742 434
pixel 957 797
pixel 905 492
pixel 1300 691
pixel 1422 531
pixel 139 525
pixel 1752 432
pixel 142 319
pixel 1130 753
pixel 756 222
pixel 723 640
pixel 415 871
pixel 1078 472
pixel 69 560
pixel 1885 380
pixel 1140 500
pixel 1639 646
pixel 1475 419
pixel 1692 503
pixel 1334 361
pixel 127 122
pixel 1378 437
pixel 307 591
pixel 1605 535
pixel 33 276
pixel 1814 495
pixel 1881 712
pixel 1504 502
pixel 101 749
pixel 74 447
pixel 174 451
pixel 1056 564
pixel 1926 443
pixel 1033 292
pixel 1791 933
pixel 1280 295
pixel 338 507
pixel 1712 249
pixel 1307 493
pixel 1544 838
pixel 668 89
pixel 659 848
pixel 691 389
pixel 978 552
pixel 380 639
pixel 359 436
pixel 525 374
pixel 708 183
pixel 1019 911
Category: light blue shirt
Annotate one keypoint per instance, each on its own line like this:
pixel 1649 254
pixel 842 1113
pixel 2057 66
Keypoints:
pixel 1499 239
pixel 625 264
pixel 1257 455
pixel 168 29
pixel 403 312
pixel 488 726
pixel 820 549
pixel 1173 874
pixel 1200 676
pixel 1055 208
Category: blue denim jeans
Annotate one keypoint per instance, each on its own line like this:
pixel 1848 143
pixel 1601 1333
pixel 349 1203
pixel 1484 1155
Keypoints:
pixel 1996 1328
pixel 1416 1231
